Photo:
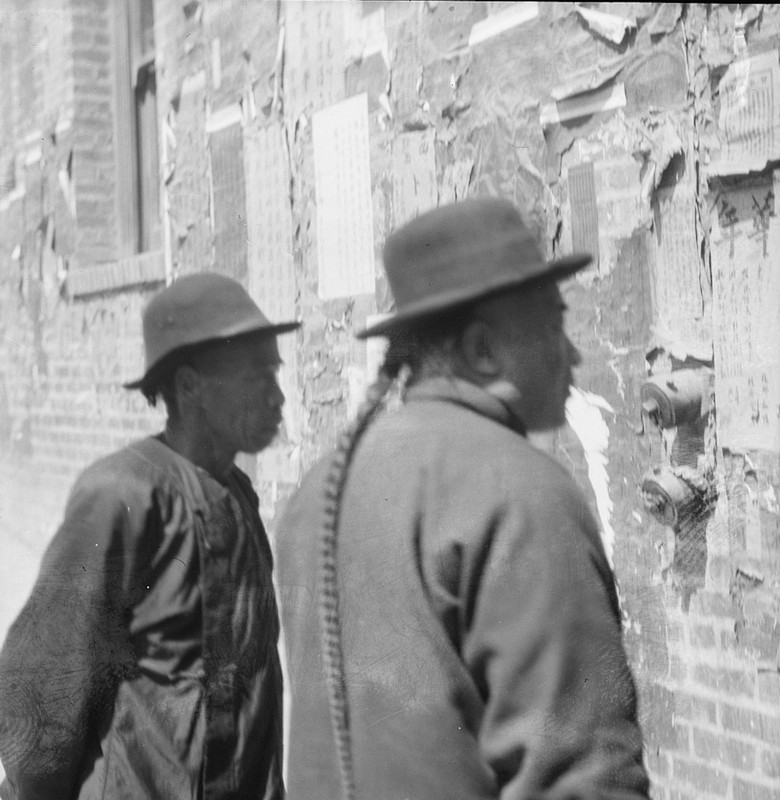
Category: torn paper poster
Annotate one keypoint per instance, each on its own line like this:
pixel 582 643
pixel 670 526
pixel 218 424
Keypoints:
pixel 364 35
pixel 583 105
pixel 414 175
pixel 511 17
pixel 342 185
pixel 609 26
pixel 584 210
pixel 271 265
pixel 313 57
pixel 658 141
pixel 589 79
pixel 749 120
pixel 583 413
pixel 745 241
pixel 683 301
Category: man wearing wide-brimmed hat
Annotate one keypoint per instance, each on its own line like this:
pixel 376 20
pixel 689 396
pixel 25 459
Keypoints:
pixel 451 619
pixel 144 664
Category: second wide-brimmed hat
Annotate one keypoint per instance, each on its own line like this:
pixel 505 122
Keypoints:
pixel 197 309
pixel 460 253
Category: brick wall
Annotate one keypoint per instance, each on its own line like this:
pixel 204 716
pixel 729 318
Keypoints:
pixel 454 109
pixel 63 357
pixel 93 165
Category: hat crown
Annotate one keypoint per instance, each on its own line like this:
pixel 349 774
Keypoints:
pixel 460 253
pixel 460 250
pixel 199 308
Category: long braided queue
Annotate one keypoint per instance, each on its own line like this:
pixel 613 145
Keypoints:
pixel 332 653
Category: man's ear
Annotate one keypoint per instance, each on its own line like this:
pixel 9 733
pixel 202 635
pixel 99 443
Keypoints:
pixel 188 384
pixel 478 349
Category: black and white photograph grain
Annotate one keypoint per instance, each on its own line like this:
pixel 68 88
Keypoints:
pixel 389 400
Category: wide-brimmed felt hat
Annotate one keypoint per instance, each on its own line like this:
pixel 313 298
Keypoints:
pixel 459 253
pixel 195 310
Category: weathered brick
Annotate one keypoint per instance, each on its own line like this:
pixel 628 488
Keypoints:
pixel 724 750
pixel 764 645
pixel 93 110
pixel 703 776
pixel 764 727
pixel 91 55
pixel 674 632
pixel 770 762
pixel 658 763
pixel 769 688
pixel 702 636
pixel 695 708
pixel 678 668
pixel 712 604
pixel 729 681
pixel 743 789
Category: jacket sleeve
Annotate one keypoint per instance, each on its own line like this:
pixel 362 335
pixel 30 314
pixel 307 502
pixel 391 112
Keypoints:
pixel 542 638
pixel 64 653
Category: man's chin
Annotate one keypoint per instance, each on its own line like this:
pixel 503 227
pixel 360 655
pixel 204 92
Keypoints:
pixel 263 439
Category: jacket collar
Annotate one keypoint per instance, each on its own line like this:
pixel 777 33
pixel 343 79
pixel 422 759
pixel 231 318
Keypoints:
pixel 468 395
pixel 201 488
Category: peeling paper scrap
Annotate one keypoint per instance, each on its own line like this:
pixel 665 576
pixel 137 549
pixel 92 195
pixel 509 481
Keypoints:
pixel 585 105
pixel 665 20
pixel 65 179
pixel 364 35
pixel 667 340
pixel 487 28
pixel 749 121
pixel 224 118
pixel 590 80
pixel 583 413
pixel 610 26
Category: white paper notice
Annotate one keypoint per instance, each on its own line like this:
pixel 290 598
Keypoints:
pixel 414 175
pixel 749 121
pixel 342 183
pixel 272 277
pixel 746 317
pixel 683 300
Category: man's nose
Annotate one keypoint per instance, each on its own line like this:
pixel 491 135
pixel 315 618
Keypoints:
pixel 276 397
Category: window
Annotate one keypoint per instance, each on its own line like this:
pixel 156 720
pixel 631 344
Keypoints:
pixel 138 163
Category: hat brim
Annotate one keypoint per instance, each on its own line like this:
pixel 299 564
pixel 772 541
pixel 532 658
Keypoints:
pixel 553 270
pixel 172 356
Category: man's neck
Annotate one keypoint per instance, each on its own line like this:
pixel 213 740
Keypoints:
pixel 200 450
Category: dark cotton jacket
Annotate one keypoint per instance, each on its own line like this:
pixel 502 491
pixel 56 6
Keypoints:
pixel 481 634
pixel 144 664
